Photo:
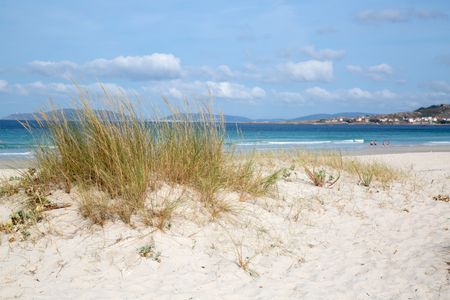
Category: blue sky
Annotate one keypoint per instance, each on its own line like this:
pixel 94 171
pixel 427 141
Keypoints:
pixel 256 58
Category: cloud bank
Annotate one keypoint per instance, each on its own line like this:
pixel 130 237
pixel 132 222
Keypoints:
pixel 310 70
pixel 397 15
pixel 157 66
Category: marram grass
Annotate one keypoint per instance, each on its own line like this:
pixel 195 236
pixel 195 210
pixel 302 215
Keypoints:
pixel 125 157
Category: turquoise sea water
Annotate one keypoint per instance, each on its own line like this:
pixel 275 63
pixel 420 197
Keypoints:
pixel 17 142
pixel 338 136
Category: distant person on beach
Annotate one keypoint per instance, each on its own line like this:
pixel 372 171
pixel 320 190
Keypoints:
pixel 373 143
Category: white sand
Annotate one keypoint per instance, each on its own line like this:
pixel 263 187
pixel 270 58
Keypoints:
pixel 348 242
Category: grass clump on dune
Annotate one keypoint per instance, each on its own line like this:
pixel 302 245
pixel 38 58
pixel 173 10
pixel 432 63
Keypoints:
pixel 124 157
pixel 365 171
pixel 110 152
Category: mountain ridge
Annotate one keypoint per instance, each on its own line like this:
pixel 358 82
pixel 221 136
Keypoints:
pixel 71 114
pixel 438 110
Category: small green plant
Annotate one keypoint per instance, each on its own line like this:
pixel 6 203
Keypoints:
pixel 35 189
pixel 365 175
pixel 22 217
pixel 321 178
pixel 269 181
pixel 287 172
pixel 21 221
pixel 148 251
pixel 36 204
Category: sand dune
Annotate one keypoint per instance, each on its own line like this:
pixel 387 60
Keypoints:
pixel 306 242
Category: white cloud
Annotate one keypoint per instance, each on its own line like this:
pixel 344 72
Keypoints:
pixel 318 92
pixel 375 72
pixel 342 95
pixel 219 73
pixel 234 91
pixel 354 69
pixel 381 68
pixel 220 89
pixel 62 89
pixel 358 93
pixel 397 15
pixel 3 85
pixel 323 54
pixel 385 94
pixel 386 15
pixel 289 97
pixel 41 88
pixel 311 70
pixel 65 69
pixel 156 66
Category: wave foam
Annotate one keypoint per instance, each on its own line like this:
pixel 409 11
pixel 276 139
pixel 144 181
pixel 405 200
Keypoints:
pixel 16 153
pixel 266 143
pixel 439 143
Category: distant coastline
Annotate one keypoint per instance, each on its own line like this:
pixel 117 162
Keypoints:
pixel 341 123
pixel 431 115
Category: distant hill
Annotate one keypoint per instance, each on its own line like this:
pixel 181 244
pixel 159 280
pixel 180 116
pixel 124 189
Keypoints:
pixel 69 113
pixel 441 110
pixel 330 116
pixel 435 111
pixel 240 119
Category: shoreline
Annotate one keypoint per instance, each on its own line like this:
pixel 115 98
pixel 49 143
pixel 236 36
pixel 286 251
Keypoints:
pixel 339 123
pixel 23 163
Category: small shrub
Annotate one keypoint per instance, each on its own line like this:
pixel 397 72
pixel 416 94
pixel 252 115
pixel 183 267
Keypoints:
pixel 320 178
pixel 287 172
pixel 22 217
pixel 365 175
pixel 148 251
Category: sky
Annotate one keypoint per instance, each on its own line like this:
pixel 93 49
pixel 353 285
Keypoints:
pixel 259 59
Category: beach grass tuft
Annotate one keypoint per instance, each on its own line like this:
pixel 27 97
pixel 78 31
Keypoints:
pixel 367 172
pixel 117 153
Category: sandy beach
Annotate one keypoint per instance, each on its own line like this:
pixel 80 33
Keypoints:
pixel 344 242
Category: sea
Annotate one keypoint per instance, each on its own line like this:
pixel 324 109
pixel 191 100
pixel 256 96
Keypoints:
pixel 18 142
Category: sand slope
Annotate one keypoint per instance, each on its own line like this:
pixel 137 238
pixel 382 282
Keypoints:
pixel 348 242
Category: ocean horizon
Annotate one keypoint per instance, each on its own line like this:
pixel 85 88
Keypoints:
pixel 18 142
